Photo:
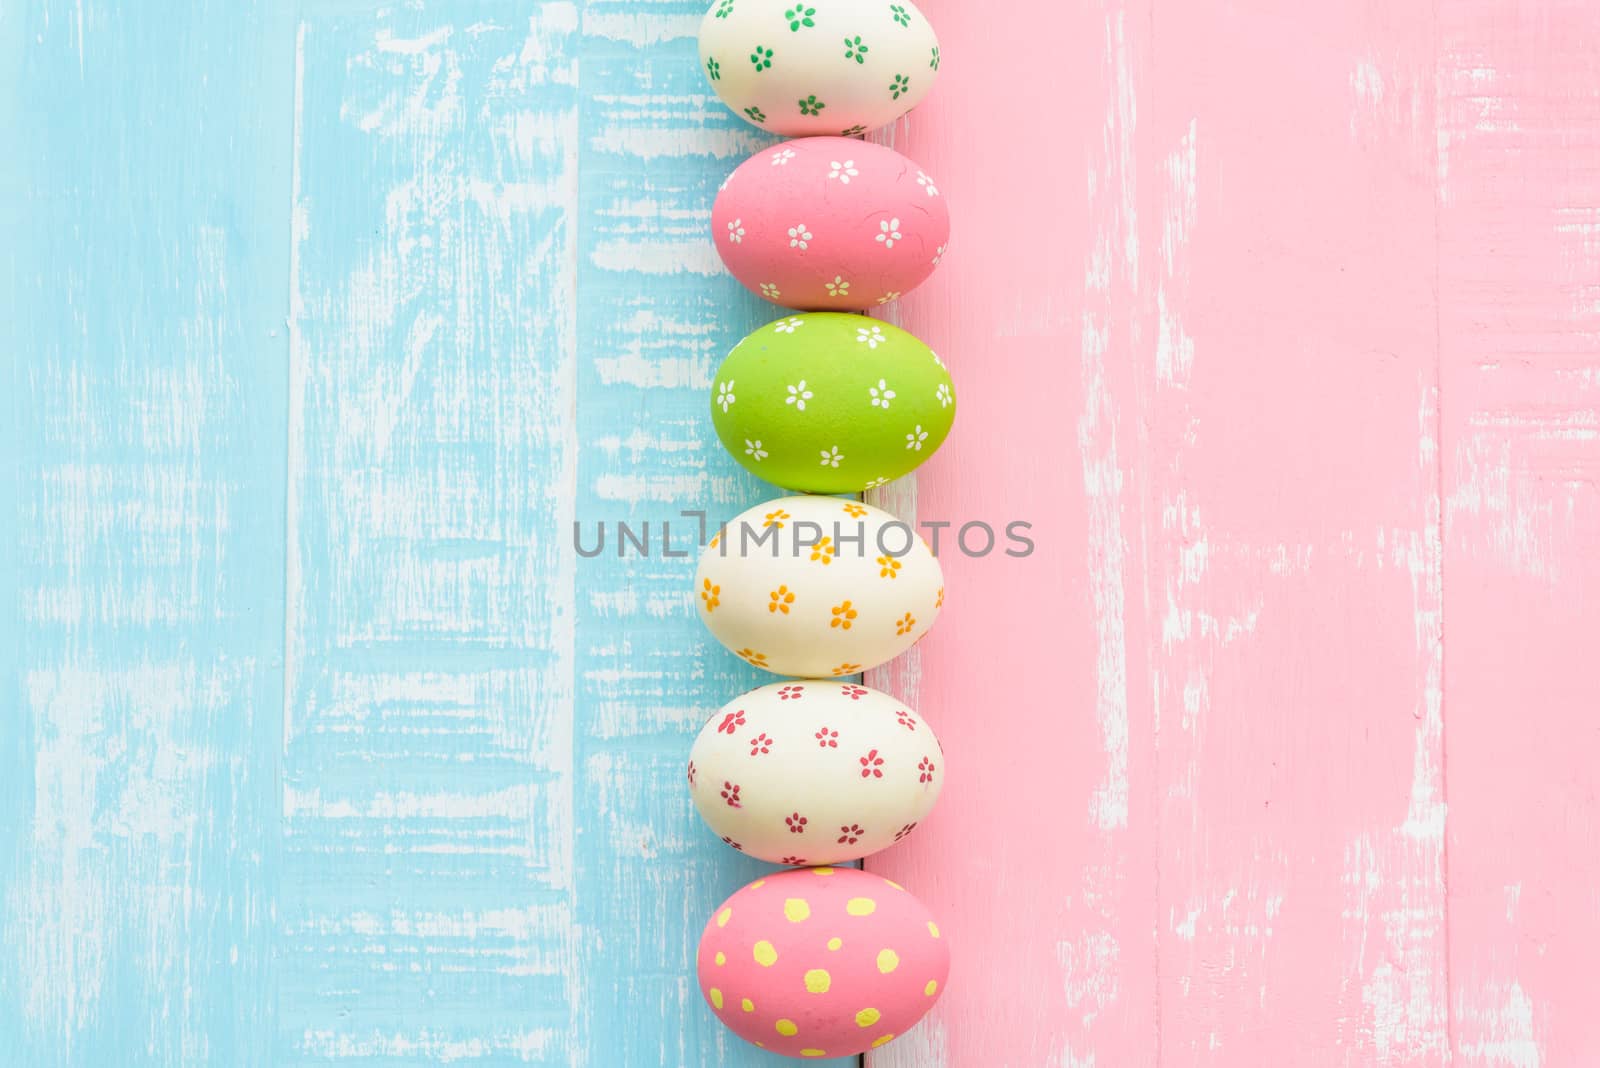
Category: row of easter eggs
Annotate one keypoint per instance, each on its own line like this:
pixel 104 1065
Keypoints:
pixel 817 769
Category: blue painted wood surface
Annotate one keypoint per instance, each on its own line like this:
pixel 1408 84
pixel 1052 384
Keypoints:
pixel 319 743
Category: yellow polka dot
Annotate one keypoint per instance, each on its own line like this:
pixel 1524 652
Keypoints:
pixel 888 960
pixel 723 917
pixel 882 1040
pixel 716 999
pixel 821 871
pixel 867 1017
pixel 765 955
pixel 787 1028
pixel 932 988
pixel 813 1053
pixel 721 957
pixel 861 906
pixel 818 980
pixel 747 1005
pixel 758 882
pixel 795 909
pixel 933 929
pixel 897 886
pixel 835 943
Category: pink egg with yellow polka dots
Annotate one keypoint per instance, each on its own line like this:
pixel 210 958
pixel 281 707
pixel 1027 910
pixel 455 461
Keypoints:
pixel 830 224
pixel 822 962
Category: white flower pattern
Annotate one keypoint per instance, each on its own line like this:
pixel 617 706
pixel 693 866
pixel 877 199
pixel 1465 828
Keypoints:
pixel 782 156
pixel 936 359
pixel 725 397
pixel 843 171
pixel 736 231
pixel 798 236
pixel 881 394
pixel 927 183
pixel 915 439
pixel 888 232
pixel 798 395
pixel 887 297
pixel 942 394
pixel 754 449
pixel 938 254
pixel 838 287
pixel 872 336
pixel 832 457
pixel 789 325
pixel 875 483
pixel 770 290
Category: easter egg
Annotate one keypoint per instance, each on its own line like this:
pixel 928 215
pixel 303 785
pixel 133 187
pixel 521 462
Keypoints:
pixel 804 67
pixel 814 772
pixel 818 587
pixel 822 962
pixel 831 403
pixel 830 223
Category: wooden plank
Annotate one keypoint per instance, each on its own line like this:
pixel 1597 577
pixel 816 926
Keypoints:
pixel 656 314
pixel 145 280
pixel 427 908
pixel 1519 286
pixel 1293 509
pixel 1195 347
pixel 1040 857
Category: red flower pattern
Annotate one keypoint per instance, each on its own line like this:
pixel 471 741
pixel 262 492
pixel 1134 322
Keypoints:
pixel 850 835
pixel 902 832
pixel 791 693
pixel 906 720
pixel 792 860
pixel 760 744
pixel 827 739
pixel 730 794
pixel 854 692
pixel 872 765
pixel 731 722
pixel 796 822
pixel 731 842
pixel 691 774
pixel 926 769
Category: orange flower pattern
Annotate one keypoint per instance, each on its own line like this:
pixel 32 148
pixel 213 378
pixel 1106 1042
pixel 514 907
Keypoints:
pixel 753 658
pixel 847 669
pixel 780 600
pixel 904 624
pixel 888 567
pixel 709 595
pixel 854 510
pixel 843 616
pixel 775 519
pixel 824 551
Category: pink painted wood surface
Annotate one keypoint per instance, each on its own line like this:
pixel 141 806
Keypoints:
pixel 1519 286
pixel 1281 324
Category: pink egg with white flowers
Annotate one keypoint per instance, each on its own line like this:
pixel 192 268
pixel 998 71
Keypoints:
pixel 822 962
pixel 830 223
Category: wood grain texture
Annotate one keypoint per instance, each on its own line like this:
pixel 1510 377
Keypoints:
pixel 1201 735
pixel 328 319
pixel 1519 321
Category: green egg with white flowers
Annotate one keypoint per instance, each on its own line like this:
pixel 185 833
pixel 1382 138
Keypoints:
pixel 831 403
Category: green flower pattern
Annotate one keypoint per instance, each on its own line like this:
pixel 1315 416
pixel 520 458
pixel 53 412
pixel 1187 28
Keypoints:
pixel 901 15
pixel 762 58
pixel 755 114
pixel 811 105
pixel 724 9
pixel 902 84
pixel 854 49
pixel 798 16
pixel 934 62
pixel 853 131
pixel 714 70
